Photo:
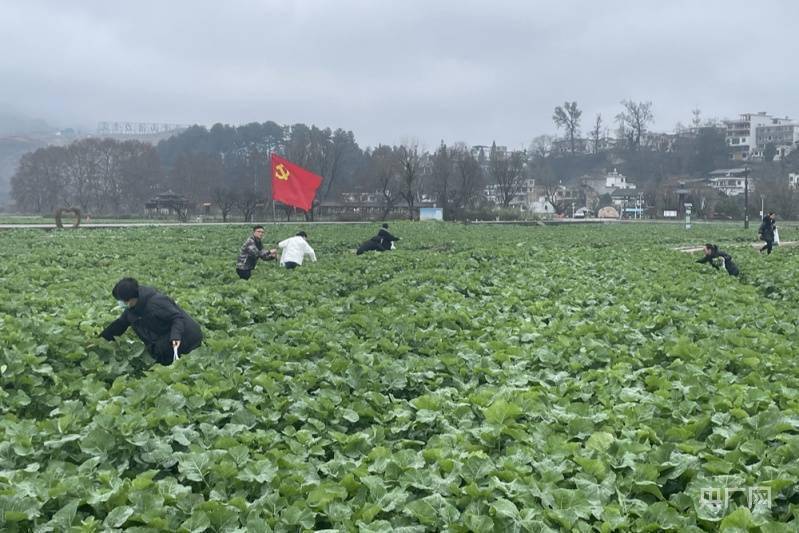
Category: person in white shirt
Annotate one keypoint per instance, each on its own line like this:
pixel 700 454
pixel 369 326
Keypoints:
pixel 294 249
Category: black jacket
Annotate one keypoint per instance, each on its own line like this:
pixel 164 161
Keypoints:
pixel 386 238
pixel 154 318
pixel 766 230
pixel 732 269
pixel 372 244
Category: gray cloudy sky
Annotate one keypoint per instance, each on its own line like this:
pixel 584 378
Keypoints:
pixel 392 70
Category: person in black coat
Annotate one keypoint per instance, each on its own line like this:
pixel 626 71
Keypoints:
pixel 372 245
pixel 766 231
pixel 163 327
pixel 712 252
pixel 385 237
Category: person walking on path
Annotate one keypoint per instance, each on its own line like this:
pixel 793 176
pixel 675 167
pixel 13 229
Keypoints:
pixel 766 232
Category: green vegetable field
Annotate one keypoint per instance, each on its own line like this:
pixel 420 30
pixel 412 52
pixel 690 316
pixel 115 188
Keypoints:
pixel 585 378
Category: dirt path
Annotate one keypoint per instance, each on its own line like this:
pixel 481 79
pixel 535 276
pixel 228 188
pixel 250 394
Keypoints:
pixel 693 249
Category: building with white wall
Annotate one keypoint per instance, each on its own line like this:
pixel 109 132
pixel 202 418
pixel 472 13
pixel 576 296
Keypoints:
pixel 730 181
pixel 741 134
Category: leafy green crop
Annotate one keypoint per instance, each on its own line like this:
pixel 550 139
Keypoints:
pixel 477 379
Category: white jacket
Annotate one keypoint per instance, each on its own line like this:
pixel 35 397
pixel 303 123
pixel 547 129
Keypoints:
pixel 294 249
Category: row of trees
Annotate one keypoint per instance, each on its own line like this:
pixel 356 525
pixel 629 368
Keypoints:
pixel 452 176
pixel 632 121
pixel 95 175
pixel 226 166
pixel 229 166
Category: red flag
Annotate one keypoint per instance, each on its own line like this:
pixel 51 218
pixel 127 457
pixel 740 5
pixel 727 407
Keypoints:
pixel 292 184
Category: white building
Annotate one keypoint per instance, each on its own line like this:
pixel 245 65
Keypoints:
pixel 524 194
pixel 741 134
pixel 730 181
pixel 784 137
pixel 614 180
pixel 528 198
pixel 793 180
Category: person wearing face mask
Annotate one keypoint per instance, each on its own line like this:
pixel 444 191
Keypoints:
pixel 166 330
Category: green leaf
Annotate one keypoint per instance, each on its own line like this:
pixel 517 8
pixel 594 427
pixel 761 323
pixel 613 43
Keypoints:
pixel 63 518
pixel 118 516
pixel 737 521
pixel 665 517
pixel 478 523
pixel 501 412
pixel 600 441
pixel 423 511
pixel 506 508
pixel 298 515
pixel 325 493
pixel 193 465
pixel 197 523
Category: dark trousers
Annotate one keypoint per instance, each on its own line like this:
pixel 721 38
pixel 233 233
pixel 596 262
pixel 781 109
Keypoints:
pixel 162 351
pixel 369 246
pixel 732 268
pixel 768 246
pixel 244 274
pixel 290 264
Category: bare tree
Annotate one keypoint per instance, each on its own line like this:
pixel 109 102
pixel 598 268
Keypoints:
pixel 547 181
pixel 39 184
pixel 596 132
pixel 410 160
pixel 696 118
pixel 384 169
pixel 225 199
pixel 506 171
pixel 195 175
pixel 568 118
pixel 441 176
pixel 81 172
pixel 140 174
pixel 633 121
pixel 341 147
pixel 247 203
pixel 541 146
pixel 468 179
pixel 109 190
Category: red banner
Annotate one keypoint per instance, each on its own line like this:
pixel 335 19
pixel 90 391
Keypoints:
pixel 292 184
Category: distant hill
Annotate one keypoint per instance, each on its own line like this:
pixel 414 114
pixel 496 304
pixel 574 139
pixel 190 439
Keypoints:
pixel 14 124
pixel 20 135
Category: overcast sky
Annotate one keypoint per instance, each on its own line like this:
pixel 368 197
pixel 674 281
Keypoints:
pixel 390 71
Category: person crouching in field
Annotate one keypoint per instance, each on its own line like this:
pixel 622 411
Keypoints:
pixel 382 242
pixel 712 252
pixel 251 251
pixel 165 329
pixel 294 249
pixel 386 239
pixel 372 245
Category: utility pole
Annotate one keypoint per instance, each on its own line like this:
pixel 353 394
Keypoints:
pixel 746 198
